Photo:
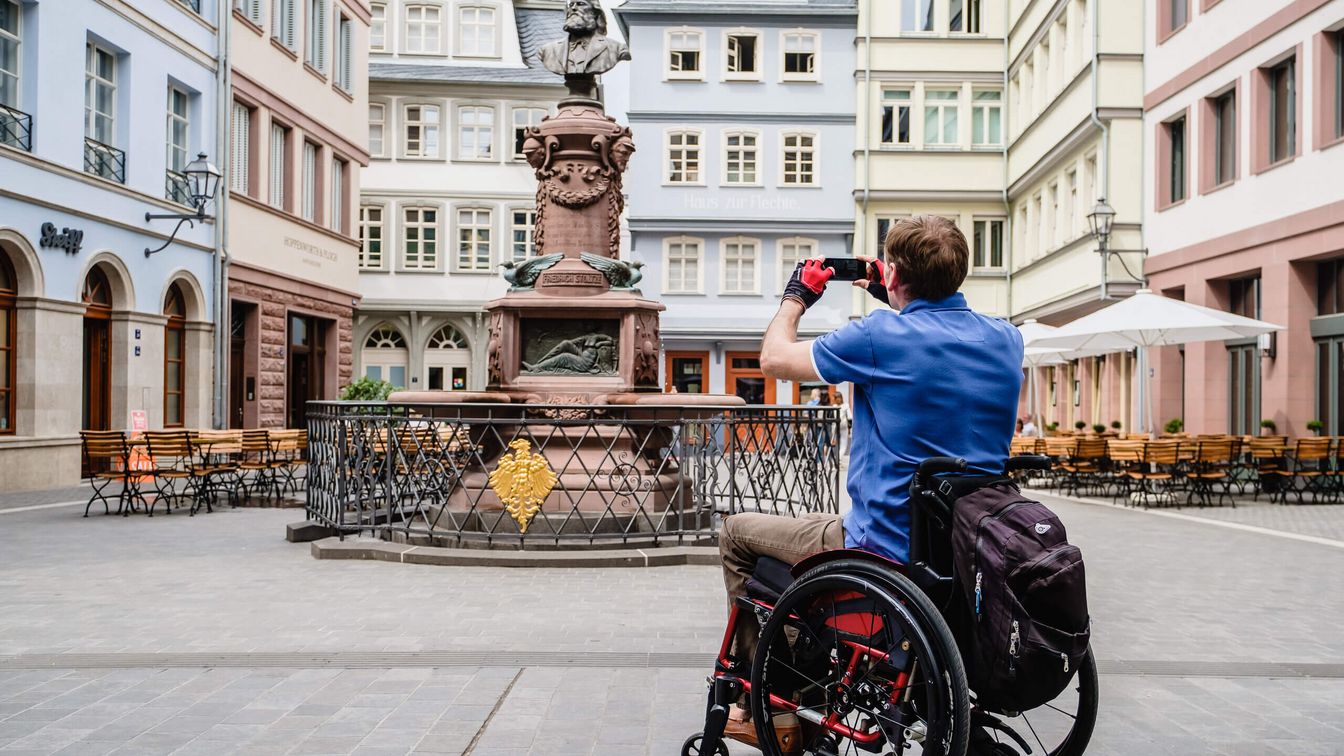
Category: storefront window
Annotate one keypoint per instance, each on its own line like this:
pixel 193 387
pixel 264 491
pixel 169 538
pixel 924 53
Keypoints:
pixel 1330 287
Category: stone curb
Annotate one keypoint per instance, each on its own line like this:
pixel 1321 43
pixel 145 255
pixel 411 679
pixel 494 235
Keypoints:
pixel 352 548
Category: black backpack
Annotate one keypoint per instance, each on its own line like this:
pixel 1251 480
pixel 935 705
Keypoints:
pixel 1027 629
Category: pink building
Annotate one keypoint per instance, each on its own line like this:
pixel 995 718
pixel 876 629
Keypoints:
pixel 1244 207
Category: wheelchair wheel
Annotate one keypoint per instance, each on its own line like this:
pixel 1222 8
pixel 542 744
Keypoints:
pixel 692 747
pixel 855 657
pixel 1062 727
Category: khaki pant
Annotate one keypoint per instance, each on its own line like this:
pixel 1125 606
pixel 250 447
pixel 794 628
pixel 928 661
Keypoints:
pixel 748 536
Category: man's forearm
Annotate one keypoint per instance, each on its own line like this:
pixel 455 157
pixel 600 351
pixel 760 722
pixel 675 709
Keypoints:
pixel 783 357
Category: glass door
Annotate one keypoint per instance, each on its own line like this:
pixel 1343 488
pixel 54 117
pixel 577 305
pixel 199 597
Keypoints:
pixel 1243 390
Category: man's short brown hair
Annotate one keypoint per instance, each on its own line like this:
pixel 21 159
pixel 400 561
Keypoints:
pixel 930 256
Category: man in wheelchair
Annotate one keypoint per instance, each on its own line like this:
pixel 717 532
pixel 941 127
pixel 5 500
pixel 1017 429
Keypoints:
pixel 931 378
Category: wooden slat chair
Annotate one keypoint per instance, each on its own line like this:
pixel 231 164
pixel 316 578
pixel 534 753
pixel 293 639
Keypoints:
pixel 1265 461
pixel 1157 474
pixel 1308 470
pixel 177 472
pixel 1213 468
pixel 1335 476
pixel 1085 464
pixel 222 453
pixel 290 446
pixel 258 460
pixel 1124 455
pixel 1059 449
pixel 107 461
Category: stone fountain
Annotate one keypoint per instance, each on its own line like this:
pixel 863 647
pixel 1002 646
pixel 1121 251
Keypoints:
pixel 574 328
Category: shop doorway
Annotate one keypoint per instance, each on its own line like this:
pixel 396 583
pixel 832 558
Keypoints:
pixel 745 379
pixel 307 366
pixel 240 392
pixel 447 360
pixel 1244 382
pixel 687 372
pixel 97 400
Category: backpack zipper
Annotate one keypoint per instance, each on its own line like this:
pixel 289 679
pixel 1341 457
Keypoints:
pixel 1065 657
pixel 1012 649
pixel 979 576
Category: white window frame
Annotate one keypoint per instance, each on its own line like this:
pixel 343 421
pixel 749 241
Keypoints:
pixel 529 233
pixel 475 265
pixel 318 35
pixel 182 151
pixel 405 237
pixel 982 108
pixel 377 21
pixel 815 74
pixel 284 24
pixel 784 137
pixel 785 265
pixel 459 49
pixel 407 123
pixel 240 149
pixel 979 16
pixel 683 241
pixel 278 163
pixel 942 107
pixel 741 242
pixel 336 180
pixel 475 108
pixel 437 37
pixel 382 123
pixel 900 20
pixel 16 39
pixel 1003 243
pixel 342 70
pixel 755 157
pixel 755 75
pixel 696 75
pixel 529 111
pixel 699 157
pixel 93 81
pixel 251 10
pixel 365 223
pixel 895 105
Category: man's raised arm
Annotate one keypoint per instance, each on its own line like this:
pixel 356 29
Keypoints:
pixel 783 356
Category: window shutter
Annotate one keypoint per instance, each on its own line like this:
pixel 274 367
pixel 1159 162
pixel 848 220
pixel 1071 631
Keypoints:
pixel 238 180
pixel 309 181
pixel 291 34
pixel 346 72
pixel 277 195
pixel 337 216
pixel 322 35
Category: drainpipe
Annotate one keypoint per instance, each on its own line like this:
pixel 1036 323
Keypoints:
pixel 1007 208
pixel 1104 163
pixel 864 245
pixel 223 115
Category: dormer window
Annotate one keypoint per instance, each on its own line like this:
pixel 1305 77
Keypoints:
pixel 476 28
pixel 424 25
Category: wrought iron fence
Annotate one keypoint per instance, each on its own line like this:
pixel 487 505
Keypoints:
pixel 553 475
pixel 104 160
pixel 16 128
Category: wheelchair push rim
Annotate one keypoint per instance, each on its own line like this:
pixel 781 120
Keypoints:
pixel 860 668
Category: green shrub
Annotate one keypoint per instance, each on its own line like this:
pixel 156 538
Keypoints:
pixel 1080 424
pixel 1269 425
pixel 1052 427
pixel 1316 426
pixel 1175 425
pixel 1099 429
pixel 367 389
pixel 1116 424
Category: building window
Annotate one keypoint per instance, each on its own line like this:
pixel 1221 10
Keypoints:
pixel 739 158
pixel 371 237
pixel 896 116
pixel 240 161
pixel 344 68
pixel 523 227
pixel 475 133
pixel 683 157
pixel 317 35
pixel 1225 138
pixel 742 55
pixel 336 219
pixel 964 16
pixel 423 28
pixel 100 96
pixel 792 252
pixel 174 359
pixel 1071 208
pixel 284 23
pixel 1330 287
pixel 916 15
pixel 9 289
pixel 10 36
pixel 420 228
pixel 684 264
pixel 179 123
pixel 1243 297
pixel 1175 160
pixel 251 9
pixel 476 31
pixel 377 128
pixel 1283 111
pixel 378 27
pixel 523 119
pixel 1177 14
pixel 799 160
pixel 741 264
pixel 988 244
pixel 385 356
pixel 308 209
pixel 1339 84
pixel 447 358
pixel 422 131
pixel 987 119
pixel 800 56
pixel 1056 220
pixel 473 239
pixel 940 117
pixel 279 165
pixel 684 54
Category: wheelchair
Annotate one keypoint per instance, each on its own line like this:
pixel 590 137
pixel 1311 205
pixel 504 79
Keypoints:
pixel 857 654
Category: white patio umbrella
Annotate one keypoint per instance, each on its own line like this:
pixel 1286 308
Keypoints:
pixel 1035 357
pixel 1148 320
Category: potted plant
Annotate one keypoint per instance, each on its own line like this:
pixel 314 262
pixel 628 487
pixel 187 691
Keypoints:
pixel 1316 426
pixel 1052 427
pixel 1116 424
pixel 1268 427
pixel 1175 425
pixel 1080 425
pixel 1098 429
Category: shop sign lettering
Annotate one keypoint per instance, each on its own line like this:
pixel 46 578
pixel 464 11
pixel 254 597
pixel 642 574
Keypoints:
pixel 68 239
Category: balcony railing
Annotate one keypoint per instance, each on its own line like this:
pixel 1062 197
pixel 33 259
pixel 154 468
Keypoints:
pixel 104 160
pixel 16 128
pixel 177 188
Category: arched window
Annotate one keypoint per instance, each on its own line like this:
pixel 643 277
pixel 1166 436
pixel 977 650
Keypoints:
pixel 97 298
pixel 447 360
pixel 97 291
pixel 386 355
pixel 9 289
pixel 174 358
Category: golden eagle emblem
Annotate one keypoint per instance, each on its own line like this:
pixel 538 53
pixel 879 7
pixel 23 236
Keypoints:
pixel 522 481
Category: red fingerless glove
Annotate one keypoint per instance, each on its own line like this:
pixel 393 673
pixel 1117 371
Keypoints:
pixel 808 282
pixel 878 288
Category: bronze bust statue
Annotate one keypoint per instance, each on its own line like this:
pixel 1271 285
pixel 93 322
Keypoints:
pixel 588 50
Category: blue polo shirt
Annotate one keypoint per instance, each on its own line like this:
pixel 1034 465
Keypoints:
pixel 934 380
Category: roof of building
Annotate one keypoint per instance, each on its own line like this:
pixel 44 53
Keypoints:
pixel 536 27
pixel 726 7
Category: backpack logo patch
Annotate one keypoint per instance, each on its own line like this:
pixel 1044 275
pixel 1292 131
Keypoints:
pixel 1042 528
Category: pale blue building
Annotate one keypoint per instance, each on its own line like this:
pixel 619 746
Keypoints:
pixel 102 105
pixel 743 116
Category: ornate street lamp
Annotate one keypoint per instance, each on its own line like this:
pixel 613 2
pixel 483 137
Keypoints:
pixel 1100 220
pixel 202 181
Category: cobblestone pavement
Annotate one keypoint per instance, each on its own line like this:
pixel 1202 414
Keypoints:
pixel 212 635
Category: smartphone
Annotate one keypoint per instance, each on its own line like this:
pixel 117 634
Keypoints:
pixel 847 268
